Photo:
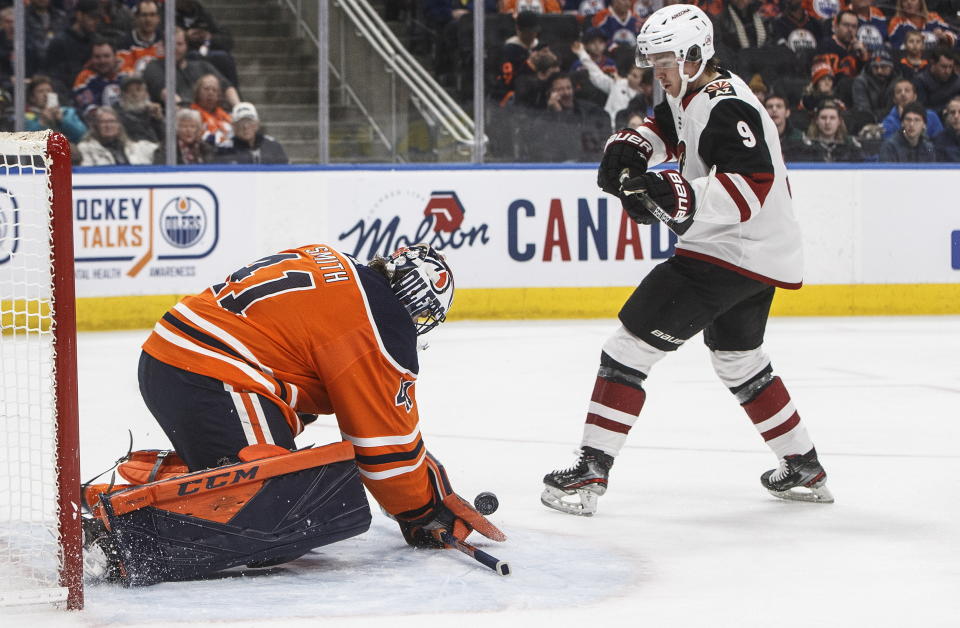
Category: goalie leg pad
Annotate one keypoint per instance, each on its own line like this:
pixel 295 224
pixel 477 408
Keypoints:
pixel 262 512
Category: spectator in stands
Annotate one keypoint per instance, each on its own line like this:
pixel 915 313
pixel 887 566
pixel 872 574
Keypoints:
pixel 912 60
pixel 188 71
pixel 514 54
pixel 577 128
pixel 107 143
pixel 827 139
pixel 791 138
pixel 796 29
pixel 515 7
pixel 621 88
pixel 871 140
pixel 618 23
pixel 820 87
pixel 191 149
pixel 595 46
pixel 872 24
pixel 905 93
pixel 116 20
pixel 99 84
pixel 43 23
pixel 871 90
pixel 594 43
pixel 207 98
pixel 532 87
pixel 741 26
pixel 250 145
pixel 910 143
pixel 713 8
pixel 843 51
pixel 69 51
pixel 144 42
pixel 142 119
pixel 584 9
pixel 206 39
pixel 45 112
pixel 758 87
pixel 443 17
pixel 6 47
pixel 947 142
pixel 913 15
pixel 6 111
pixel 939 82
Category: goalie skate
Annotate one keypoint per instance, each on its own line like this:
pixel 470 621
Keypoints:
pixel 575 490
pixel 101 559
pixel 799 477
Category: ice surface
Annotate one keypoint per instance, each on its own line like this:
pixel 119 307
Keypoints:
pixel 684 537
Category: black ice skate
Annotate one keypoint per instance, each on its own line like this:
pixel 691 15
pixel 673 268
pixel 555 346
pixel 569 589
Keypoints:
pixel 586 480
pixel 800 477
pixel 101 558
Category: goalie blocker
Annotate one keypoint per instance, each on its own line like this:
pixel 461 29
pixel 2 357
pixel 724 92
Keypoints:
pixel 270 508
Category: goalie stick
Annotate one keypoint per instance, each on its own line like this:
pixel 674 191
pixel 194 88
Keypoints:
pixel 500 566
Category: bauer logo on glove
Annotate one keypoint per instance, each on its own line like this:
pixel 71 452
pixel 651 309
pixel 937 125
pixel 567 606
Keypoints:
pixel 666 195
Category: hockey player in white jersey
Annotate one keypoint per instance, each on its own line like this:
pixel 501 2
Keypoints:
pixel 739 240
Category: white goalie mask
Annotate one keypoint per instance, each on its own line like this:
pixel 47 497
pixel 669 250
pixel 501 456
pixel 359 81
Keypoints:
pixel 683 30
pixel 422 280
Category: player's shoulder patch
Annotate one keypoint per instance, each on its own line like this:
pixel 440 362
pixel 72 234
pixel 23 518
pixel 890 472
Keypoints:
pixel 719 88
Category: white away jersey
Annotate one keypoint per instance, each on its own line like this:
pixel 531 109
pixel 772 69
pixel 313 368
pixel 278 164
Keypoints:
pixel 744 216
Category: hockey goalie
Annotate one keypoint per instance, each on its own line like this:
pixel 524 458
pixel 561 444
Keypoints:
pixel 234 373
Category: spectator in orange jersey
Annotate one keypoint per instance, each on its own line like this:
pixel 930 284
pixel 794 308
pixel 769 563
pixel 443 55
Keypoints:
pixel 913 15
pixel 144 42
pixel 515 7
pixel 247 363
pixel 912 61
pixel 217 127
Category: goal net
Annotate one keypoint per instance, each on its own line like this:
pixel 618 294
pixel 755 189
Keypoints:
pixel 40 544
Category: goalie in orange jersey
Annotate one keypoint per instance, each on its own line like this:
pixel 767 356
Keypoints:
pixel 233 374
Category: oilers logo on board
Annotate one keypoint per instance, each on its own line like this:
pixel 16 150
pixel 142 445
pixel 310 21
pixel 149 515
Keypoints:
pixel 9 225
pixel 183 222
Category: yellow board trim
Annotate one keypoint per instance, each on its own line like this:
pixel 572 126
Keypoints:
pixel 142 312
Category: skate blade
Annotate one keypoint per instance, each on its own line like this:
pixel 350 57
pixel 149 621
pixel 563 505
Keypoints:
pixel 818 493
pixel 558 499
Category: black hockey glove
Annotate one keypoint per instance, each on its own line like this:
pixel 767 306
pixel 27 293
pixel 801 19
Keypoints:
pixel 626 150
pixel 666 195
pixel 447 512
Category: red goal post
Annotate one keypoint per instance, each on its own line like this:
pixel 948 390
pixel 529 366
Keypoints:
pixel 41 559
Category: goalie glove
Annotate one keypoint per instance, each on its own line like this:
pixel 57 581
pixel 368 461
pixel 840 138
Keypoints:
pixel 447 512
pixel 626 153
pixel 666 195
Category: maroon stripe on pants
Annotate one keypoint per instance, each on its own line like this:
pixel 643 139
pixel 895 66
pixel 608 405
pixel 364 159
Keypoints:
pixel 772 400
pixel 607 424
pixel 783 428
pixel 618 396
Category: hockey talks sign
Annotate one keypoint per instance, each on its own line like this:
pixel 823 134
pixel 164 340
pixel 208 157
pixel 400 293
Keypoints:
pixel 443 214
pixel 130 226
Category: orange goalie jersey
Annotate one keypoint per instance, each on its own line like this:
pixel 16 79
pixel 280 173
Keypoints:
pixel 315 332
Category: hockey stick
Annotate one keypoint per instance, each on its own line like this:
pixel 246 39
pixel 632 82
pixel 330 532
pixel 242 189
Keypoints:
pixel 500 566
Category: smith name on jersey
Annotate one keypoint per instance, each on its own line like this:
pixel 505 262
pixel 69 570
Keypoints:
pixel 744 217
pixel 315 332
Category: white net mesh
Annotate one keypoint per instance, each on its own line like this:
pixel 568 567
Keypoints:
pixel 30 554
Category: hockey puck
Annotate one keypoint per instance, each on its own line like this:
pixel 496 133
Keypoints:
pixel 486 503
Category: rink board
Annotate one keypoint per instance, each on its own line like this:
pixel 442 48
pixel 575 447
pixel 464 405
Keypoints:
pixel 531 242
